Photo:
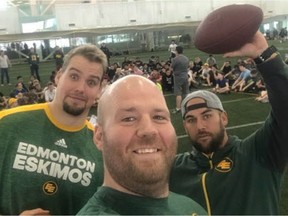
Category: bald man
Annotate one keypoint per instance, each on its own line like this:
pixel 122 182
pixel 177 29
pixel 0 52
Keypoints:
pixel 138 142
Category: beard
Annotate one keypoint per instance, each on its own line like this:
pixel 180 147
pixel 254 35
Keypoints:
pixel 149 179
pixel 214 144
pixel 73 110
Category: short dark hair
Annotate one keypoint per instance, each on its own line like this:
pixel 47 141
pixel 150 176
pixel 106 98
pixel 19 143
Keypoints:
pixel 242 64
pixel 89 52
pixel 179 49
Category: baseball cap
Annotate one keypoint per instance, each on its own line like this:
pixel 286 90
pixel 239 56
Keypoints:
pixel 211 101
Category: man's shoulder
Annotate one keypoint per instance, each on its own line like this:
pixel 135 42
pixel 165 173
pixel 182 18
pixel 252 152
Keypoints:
pixel 20 110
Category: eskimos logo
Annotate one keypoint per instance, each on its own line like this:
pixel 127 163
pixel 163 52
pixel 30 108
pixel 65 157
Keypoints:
pixel 225 165
pixel 50 188
pixel 54 163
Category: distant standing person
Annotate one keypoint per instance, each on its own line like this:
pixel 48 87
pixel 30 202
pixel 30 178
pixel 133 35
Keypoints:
pixel 172 49
pixel 33 61
pixel 105 49
pixel 4 64
pixel 59 57
pixel 180 72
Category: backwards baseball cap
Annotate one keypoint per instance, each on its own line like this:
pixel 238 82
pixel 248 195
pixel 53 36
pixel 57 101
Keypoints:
pixel 211 101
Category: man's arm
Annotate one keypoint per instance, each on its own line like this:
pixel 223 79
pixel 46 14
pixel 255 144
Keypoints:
pixel 247 86
pixel 271 146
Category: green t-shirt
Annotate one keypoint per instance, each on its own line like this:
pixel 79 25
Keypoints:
pixel 45 164
pixel 107 201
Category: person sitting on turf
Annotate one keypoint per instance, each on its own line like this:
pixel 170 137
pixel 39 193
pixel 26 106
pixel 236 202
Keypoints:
pixel 240 82
pixel 251 83
pixel 222 84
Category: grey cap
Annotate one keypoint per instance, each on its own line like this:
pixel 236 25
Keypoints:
pixel 211 101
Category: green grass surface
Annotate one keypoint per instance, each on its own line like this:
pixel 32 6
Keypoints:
pixel 242 109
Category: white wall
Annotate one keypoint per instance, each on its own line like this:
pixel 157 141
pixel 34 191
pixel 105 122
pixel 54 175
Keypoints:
pixel 110 14
pixel 107 14
pixel 118 13
pixel 9 21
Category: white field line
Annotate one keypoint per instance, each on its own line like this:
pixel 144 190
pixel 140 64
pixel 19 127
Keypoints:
pixel 237 100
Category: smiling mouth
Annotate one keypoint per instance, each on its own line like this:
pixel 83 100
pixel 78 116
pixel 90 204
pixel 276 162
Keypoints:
pixel 146 151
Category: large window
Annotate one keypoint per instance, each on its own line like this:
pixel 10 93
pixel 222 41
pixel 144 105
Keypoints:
pixel 49 24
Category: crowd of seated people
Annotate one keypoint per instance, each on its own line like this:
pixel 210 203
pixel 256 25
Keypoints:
pixel 239 77
pixel 33 93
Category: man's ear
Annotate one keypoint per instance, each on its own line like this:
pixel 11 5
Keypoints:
pixel 98 137
pixel 224 118
pixel 58 75
pixel 185 127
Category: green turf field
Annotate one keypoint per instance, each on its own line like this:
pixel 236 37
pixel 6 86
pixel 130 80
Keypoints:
pixel 245 114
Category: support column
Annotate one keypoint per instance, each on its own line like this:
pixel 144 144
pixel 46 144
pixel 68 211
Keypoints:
pixel 150 41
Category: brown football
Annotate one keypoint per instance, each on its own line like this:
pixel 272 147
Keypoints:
pixel 228 28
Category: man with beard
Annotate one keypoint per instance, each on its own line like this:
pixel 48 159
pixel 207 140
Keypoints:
pixel 227 175
pixel 49 163
pixel 138 142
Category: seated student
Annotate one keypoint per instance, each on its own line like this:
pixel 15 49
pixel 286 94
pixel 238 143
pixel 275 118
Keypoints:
pixel 251 83
pixel 156 77
pixel 263 97
pixel 197 66
pixel 226 67
pixel 138 143
pixel 27 98
pixel 242 79
pixel 38 90
pixel 20 80
pixel 205 75
pixel 233 75
pixel 49 92
pixel 222 84
pixel 192 76
pixel 167 80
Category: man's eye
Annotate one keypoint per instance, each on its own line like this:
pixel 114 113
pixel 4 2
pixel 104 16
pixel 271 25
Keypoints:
pixel 191 120
pixel 128 119
pixel 74 77
pixel 206 116
pixel 92 83
pixel 159 117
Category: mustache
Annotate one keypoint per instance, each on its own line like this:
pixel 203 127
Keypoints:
pixel 203 133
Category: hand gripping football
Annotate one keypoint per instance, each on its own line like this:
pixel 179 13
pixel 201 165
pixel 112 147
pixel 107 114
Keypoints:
pixel 228 28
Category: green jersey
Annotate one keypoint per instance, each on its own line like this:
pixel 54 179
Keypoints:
pixel 107 201
pixel 45 164
pixel 244 177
